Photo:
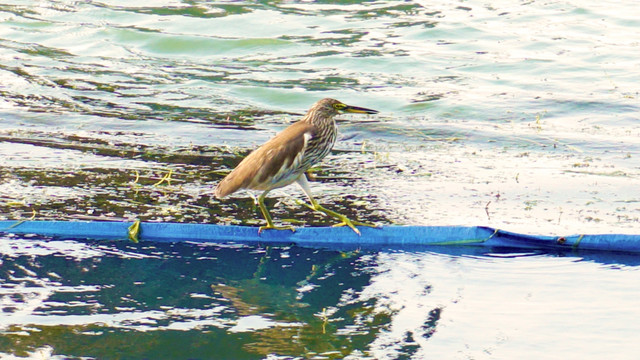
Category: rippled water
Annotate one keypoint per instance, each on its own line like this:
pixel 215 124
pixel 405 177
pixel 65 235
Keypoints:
pixel 64 298
pixel 518 115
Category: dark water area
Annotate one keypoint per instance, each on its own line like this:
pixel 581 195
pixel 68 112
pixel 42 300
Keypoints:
pixel 102 299
pixel 181 300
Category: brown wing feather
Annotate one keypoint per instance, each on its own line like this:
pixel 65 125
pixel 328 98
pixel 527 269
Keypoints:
pixel 265 162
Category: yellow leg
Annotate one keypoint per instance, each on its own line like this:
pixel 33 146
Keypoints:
pixel 267 216
pixel 344 221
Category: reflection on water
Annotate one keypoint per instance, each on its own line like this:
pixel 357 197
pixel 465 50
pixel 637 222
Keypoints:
pixel 84 298
pixel 114 295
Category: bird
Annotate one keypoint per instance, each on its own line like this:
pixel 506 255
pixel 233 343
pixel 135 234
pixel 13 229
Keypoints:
pixel 287 157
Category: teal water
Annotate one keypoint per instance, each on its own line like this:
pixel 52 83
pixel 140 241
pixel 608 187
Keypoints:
pixel 115 300
pixel 516 115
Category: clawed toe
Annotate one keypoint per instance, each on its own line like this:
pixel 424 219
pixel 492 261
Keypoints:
pixel 268 227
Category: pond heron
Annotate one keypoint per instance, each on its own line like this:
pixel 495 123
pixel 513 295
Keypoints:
pixel 285 159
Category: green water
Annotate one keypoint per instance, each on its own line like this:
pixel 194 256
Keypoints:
pixel 516 115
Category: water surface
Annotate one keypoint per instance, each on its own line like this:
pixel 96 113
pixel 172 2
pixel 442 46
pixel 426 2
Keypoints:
pixel 87 299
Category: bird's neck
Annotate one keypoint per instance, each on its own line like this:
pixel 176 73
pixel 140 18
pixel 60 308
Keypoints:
pixel 320 122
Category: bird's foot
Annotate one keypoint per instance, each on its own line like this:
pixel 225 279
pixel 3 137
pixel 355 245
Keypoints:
pixel 344 221
pixel 273 227
pixel 358 223
pixel 352 224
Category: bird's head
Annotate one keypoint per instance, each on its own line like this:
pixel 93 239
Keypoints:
pixel 331 107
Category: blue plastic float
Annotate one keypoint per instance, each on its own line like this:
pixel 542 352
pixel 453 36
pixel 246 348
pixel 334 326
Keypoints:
pixel 387 236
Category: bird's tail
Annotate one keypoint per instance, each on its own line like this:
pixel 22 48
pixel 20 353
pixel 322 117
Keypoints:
pixel 221 190
pixel 226 186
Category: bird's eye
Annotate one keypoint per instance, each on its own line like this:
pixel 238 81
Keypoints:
pixel 339 106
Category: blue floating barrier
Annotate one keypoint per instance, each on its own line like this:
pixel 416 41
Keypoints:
pixel 387 236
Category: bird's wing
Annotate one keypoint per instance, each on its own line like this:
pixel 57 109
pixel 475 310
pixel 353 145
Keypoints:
pixel 256 171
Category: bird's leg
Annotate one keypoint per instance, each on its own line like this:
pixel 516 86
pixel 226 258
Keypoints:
pixel 345 221
pixel 267 216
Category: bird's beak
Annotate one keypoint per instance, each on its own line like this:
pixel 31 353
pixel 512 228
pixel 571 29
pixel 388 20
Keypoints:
pixel 358 110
